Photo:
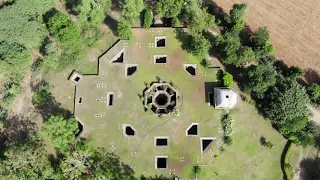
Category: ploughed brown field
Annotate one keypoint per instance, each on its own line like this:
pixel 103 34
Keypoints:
pixel 294 27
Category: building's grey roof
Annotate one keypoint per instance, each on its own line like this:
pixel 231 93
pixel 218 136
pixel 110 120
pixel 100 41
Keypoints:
pixel 225 98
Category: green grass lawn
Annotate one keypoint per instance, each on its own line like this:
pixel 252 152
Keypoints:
pixel 245 159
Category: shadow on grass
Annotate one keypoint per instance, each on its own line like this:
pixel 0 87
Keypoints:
pixel 310 168
pixel 112 24
pixel 17 131
pixel 51 107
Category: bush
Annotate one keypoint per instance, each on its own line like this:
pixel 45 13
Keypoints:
pixel 64 30
pixel 42 95
pixel 227 124
pixel 124 30
pixel 314 93
pixel 199 45
pixel 11 90
pixel 131 9
pixel 175 22
pixel 148 18
pixel 269 145
pixel 61 131
pixel 227 80
pixel 228 140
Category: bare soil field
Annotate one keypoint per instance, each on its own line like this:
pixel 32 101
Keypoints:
pixel 294 30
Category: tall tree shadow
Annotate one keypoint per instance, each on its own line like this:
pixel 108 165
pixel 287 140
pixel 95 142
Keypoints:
pixel 310 168
pixel 112 24
pixel 312 76
pixel 51 107
pixel 17 131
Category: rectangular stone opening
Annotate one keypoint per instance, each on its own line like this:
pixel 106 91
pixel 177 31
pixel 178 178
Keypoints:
pixel 131 69
pixel 206 143
pixel 110 99
pixel 77 79
pixel 191 69
pixel 193 130
pixel 161 142
pixel 161 42
pixel 161 162
pixel 160 59
pixel 119 58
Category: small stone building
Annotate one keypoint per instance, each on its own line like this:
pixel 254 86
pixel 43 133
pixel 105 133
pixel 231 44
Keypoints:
pixel 225 98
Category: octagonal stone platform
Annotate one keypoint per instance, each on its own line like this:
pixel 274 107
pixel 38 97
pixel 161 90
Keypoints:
pixel 161 98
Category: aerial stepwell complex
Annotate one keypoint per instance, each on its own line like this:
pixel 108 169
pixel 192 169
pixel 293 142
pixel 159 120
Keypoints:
pixel 152 104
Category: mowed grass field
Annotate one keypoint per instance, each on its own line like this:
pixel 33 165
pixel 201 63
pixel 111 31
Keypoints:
pixel 294 29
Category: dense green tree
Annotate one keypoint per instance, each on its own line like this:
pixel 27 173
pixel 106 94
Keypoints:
pixel 196 17
pixel 11 89
pixel 42 95
pixel 237 14
pixel 14 58
pixel 314 93
pixel 286 102
pixel 148 18
pixel 131 9
pixel 78 164
pixel 66 31
pixel 293 72
pixel 61 131
pixel 232 52
pixel 169 8
pixel 93 12
pixel 245 55
pixel 227 80
pixel 260 43
pixel 124 30
pixel 27 164
pixel 199 45
pixel 21 22
pixel 259 78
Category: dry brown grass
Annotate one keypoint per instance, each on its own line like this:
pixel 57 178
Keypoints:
pixel 293 25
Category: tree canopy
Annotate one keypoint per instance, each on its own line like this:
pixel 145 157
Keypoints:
pixel 314 93
pixel 260 43
pixel 64 30
pixel 258 78
pixel 21 22
pixel 92 12
pixel 237 14
pixel 148 18
pixel 124 30
pixel 14 58
pixel 61 131
pixel 286 102
pixel 29 164
pixel 131 9
pixel 169 8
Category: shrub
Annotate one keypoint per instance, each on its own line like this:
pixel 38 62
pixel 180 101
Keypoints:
pixel 148 18
pixel 199 45
pixel 42 95
pixel 228 140
pixel 131 9
pixel 227 79
pixel 124 30
pixel 65 30
pixel 175 22
pixel 269 145
pixel 61 131
pixel 227 124
pixel 314 93
pixel 11 90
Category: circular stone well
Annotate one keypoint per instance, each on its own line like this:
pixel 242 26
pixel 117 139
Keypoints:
pixel 161 98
